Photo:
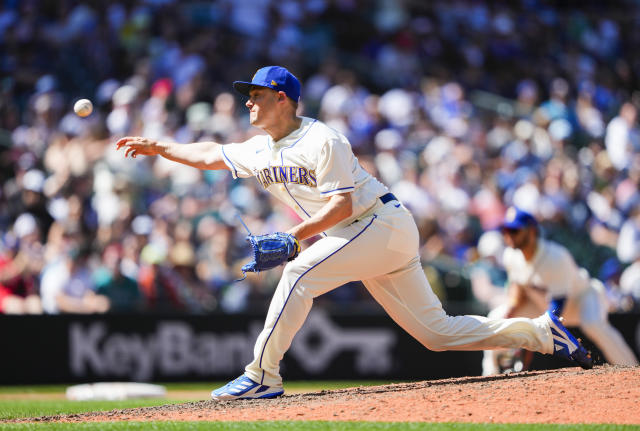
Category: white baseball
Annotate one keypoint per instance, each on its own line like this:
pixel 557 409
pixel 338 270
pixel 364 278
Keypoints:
pixel 83 107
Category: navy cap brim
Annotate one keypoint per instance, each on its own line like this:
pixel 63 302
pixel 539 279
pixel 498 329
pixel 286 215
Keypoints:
pixel 243 87
pixel 512 225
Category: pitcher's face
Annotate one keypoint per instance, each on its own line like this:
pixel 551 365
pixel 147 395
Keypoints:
pixel 262 107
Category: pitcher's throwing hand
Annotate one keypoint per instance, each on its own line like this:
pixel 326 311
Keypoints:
pixel 137 145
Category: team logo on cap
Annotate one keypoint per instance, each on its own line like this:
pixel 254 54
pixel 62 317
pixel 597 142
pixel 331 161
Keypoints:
pixel 274 83
pixel 511 214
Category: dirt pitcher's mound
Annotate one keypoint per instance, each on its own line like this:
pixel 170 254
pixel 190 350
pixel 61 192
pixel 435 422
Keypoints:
pixel 603 395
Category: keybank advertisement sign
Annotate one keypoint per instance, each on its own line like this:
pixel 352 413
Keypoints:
pixel 175 348
pixel 350 345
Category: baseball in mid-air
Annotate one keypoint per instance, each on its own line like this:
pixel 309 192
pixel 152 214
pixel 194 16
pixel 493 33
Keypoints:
pixel 83 107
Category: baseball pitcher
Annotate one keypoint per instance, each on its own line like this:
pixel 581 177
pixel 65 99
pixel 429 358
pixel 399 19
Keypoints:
pixel 366 234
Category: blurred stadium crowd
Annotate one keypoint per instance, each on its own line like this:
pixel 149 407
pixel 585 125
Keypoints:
pixel 462 107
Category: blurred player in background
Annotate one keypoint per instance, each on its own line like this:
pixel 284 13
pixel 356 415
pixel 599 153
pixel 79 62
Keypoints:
pixel 543 276
pixel 366 234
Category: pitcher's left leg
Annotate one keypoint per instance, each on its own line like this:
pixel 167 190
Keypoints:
pixel 302 280
pixel 327 264
pixel 407 297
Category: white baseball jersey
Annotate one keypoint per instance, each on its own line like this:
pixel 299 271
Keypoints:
pixel 378 244
pixel 305 168
pixel 552 269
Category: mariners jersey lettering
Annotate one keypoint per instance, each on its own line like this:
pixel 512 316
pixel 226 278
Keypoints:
pixel 305 168
pixel 286 174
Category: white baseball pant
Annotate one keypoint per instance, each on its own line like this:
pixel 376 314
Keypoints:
pixel 380 249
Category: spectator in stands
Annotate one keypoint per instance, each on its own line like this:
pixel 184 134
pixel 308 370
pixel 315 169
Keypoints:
pixel 20 266
pixel 487 275
pixel 122 291
pixel 622 138
pixel 67 286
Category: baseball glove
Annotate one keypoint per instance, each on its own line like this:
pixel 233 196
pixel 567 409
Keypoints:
pixel 271 250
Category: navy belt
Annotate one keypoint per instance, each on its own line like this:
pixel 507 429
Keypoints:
pixel 388 198
pixel 384 199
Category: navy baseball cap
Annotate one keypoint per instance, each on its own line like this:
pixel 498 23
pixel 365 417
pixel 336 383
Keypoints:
pixel 516 218
pixel 275 77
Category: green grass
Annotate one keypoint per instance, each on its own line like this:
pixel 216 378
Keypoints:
pixel 34 408
pixel 205 386
pixel 311 426
pixel 25 408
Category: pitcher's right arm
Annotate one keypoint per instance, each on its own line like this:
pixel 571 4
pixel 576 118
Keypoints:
pixel 201 155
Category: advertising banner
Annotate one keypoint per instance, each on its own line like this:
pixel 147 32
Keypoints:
pixel 146 348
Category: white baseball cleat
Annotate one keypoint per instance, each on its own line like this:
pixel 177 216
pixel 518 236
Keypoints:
pixel 244 388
